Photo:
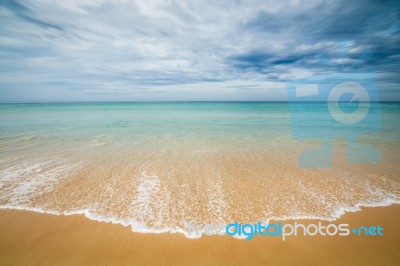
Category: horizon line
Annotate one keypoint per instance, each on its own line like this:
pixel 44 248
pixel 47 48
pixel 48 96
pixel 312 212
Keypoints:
pixel 182 101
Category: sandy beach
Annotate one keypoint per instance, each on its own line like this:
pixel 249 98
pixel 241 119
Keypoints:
pixel 34 238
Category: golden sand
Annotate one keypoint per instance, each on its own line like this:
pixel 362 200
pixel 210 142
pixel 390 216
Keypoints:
pixel 29 238
pixel 161 191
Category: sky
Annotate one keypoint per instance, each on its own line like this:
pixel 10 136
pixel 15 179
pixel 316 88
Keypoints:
pixel 79 50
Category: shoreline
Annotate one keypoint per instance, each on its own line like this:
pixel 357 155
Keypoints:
pixel 35 238
pixel 337 214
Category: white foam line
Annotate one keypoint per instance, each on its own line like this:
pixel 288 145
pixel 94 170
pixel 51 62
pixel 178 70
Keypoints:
pixel 135 226
pixel 138 227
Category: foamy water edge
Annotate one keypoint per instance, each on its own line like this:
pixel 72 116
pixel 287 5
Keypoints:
pixel 138 228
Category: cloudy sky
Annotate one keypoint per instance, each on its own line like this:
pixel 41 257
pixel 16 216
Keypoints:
pixel 76 50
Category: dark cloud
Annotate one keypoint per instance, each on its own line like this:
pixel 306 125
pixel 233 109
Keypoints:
pixel 365 33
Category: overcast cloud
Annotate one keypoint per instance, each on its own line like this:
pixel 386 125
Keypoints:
pixel 190 50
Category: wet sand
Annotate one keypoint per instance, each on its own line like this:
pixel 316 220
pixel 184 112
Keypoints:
pixel 29 238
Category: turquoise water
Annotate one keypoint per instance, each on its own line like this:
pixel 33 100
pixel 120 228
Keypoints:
pixel 209 122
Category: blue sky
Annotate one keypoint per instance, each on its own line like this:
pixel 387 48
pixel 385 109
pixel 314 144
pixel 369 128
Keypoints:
pixel 78 50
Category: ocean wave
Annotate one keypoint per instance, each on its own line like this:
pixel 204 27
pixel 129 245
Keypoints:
pixel 159 196
pixel 138 227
